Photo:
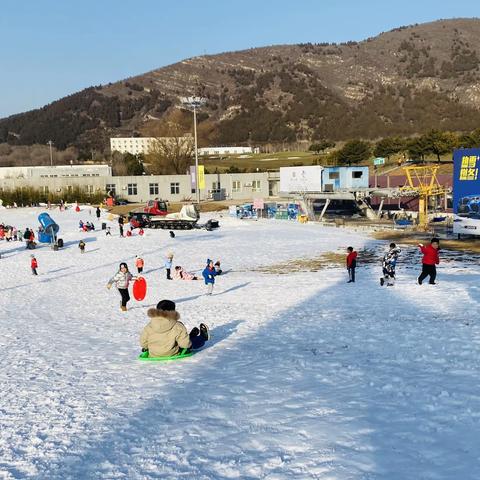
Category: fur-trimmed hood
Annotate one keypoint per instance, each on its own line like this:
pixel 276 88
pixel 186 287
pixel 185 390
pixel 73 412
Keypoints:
pixel 162 320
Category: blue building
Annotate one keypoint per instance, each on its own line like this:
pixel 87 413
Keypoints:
pixel 343 178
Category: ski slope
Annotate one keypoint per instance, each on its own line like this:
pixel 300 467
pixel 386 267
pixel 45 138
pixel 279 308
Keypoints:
pixel 306 376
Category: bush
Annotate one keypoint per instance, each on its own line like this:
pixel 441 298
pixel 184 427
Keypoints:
pixel 29 195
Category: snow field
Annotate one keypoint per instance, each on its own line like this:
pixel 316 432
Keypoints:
pixel 305 376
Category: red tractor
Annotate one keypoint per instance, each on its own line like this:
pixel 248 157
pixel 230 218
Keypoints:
pixel 156 207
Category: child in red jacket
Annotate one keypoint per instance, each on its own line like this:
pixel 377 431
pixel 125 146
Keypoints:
pixel 34 265
pixel 351 264
pixel 429 260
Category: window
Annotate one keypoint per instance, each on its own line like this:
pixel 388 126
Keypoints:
pixel 256 186
pixel 132 188
pixel 334 175
pixel 110 189
pixel 69 189
pixel 215 186
pixel 89 189
pixel 44 190
pixel 153 188
pixel 174 188
pixel 357 174
pixel 236 186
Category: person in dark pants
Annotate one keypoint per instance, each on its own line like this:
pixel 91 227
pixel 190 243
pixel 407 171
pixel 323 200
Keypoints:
pixel 121 280
pixel 168 265
pixel 121 221
pixel 98 213
pixel 429 261
pixel 351 264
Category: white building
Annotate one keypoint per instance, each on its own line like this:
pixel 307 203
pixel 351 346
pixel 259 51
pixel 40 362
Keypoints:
pixel 141 188
pixel 60 171
pixel 227 150
pixel 133 145
pixel 144 145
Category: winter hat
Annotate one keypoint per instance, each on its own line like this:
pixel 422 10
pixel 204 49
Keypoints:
pixel 208 261
pixel 166 305
pixel 33 256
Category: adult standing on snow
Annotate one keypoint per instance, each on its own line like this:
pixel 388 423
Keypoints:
pixel 121 280
pixel 429 261
pixel 98 213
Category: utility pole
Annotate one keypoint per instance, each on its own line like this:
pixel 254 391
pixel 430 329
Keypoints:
pixel 51 154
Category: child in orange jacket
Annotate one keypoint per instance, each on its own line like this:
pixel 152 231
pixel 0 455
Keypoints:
pixel 139 263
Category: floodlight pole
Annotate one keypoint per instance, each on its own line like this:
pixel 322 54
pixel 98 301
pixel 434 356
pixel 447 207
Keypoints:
pixel 51 154
pixel 197 189
pixel 195 102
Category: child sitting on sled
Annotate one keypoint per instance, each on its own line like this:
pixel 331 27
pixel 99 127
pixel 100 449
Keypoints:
pixel 166 336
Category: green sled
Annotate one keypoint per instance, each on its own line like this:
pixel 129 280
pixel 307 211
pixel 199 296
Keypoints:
pixel 183 354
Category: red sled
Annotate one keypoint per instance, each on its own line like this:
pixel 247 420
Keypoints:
pixel 139 289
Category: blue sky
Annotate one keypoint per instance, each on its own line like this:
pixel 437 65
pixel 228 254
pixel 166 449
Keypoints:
pixel 51 48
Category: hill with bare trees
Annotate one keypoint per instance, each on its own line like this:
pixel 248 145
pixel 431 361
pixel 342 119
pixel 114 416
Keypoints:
pixel 403 82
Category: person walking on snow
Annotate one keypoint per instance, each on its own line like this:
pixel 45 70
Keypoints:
pixel 209 274
pixel 166 336
pixel 121 221
pixel 81 246
pixel 121 280
pixel 429 261
pixel 351 264
pixel 139 263
pixel 388 265
pixel 97 211
pixel 34 265
pixel 168 265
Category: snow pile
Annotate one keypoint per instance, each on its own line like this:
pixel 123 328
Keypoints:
pixel 305 377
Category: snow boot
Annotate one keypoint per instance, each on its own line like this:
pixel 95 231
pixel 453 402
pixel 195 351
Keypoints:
pixel 123 309
pixel 204 332
pixel 194 332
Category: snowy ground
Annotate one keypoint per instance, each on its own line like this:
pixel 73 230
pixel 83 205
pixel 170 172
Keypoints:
pixel 306 377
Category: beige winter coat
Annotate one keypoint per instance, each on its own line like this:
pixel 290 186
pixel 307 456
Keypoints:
pixel 164 335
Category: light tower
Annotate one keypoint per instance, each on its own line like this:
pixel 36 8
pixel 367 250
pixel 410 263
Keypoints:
pixel 195 103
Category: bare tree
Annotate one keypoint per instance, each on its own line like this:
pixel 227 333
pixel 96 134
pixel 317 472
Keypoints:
pixel 169 155
pixel 172 149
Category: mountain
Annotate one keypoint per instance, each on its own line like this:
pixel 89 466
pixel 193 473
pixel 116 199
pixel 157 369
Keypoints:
pixel 402 82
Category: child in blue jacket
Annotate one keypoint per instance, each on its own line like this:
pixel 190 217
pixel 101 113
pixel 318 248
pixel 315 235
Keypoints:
pixel 209 275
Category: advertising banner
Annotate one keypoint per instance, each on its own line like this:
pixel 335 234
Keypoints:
pixel 258 203
pixel 193 177
pixel 466 191
pixel 301 179
pixel 201 177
